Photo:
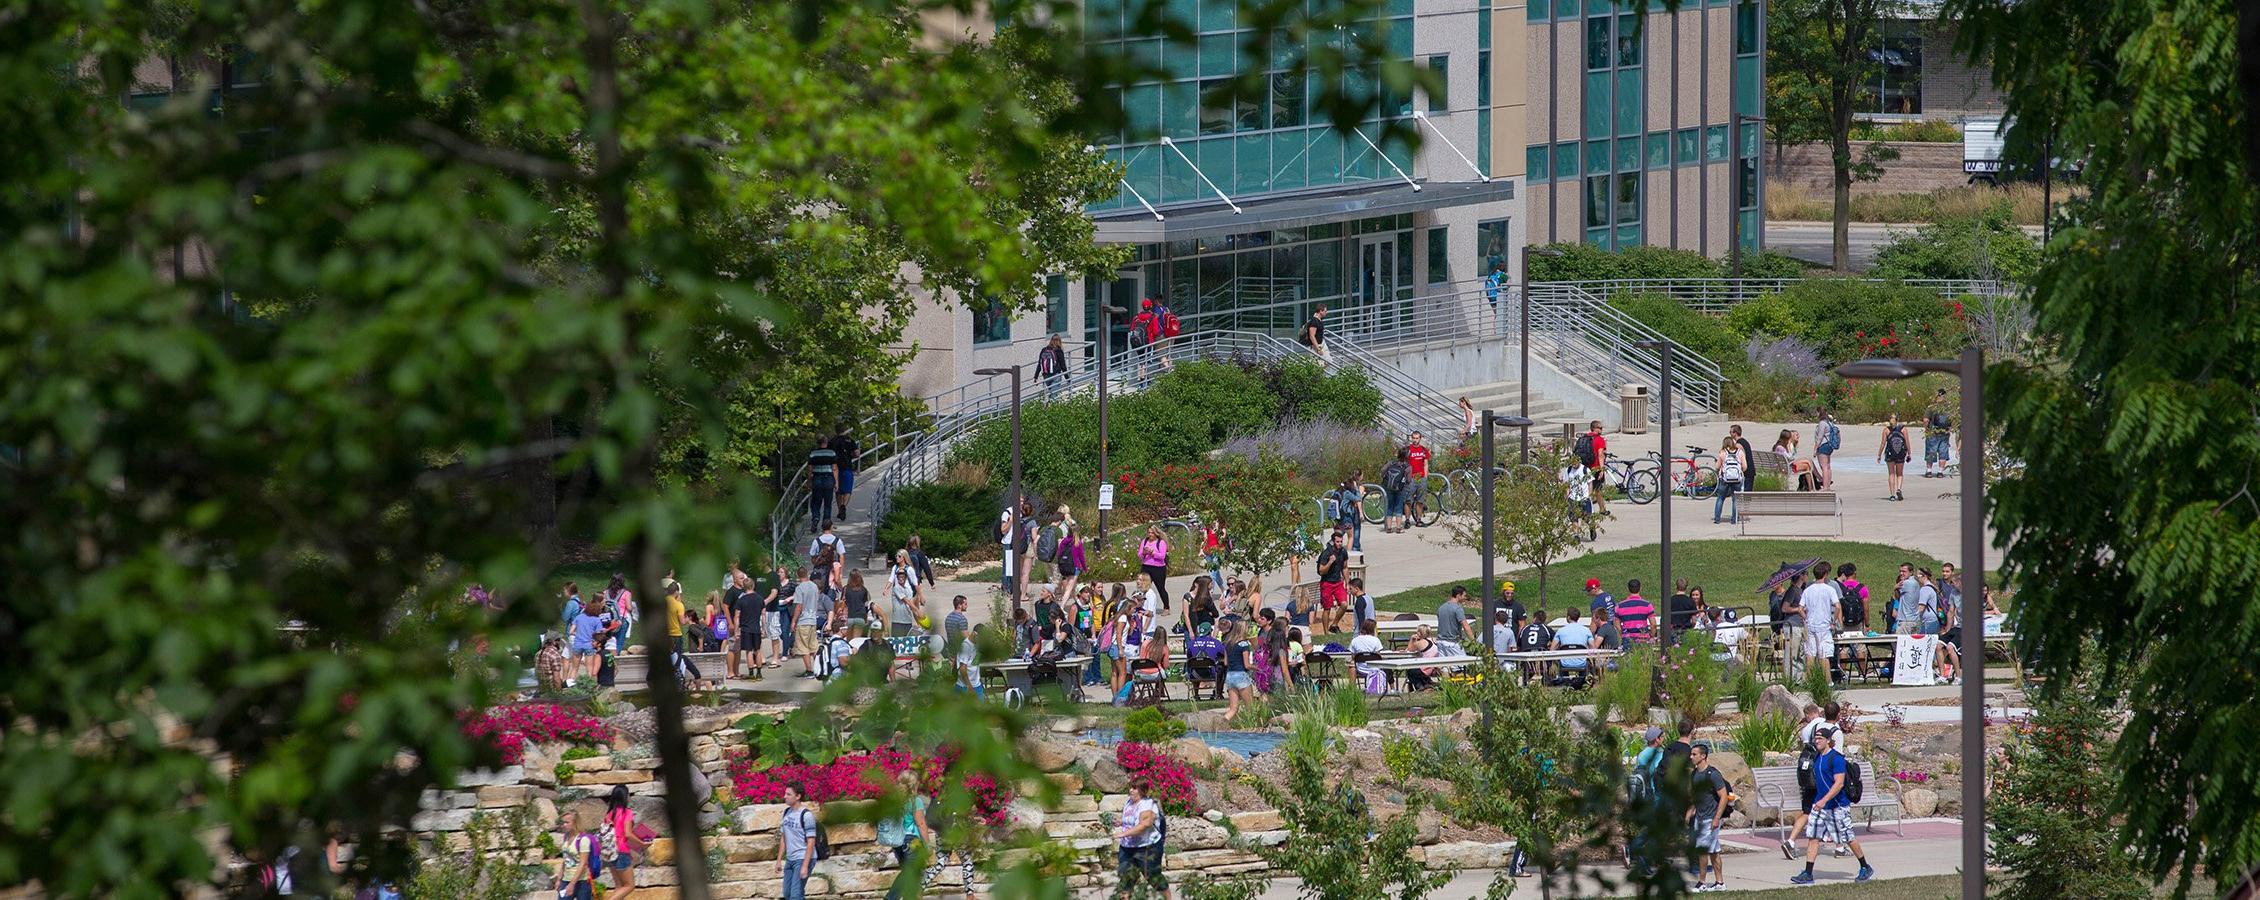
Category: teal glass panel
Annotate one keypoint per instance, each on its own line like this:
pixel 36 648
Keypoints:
pixel 1600 7
pixel 1688 146
pixel 1400 153
pixel 1286 100
pixel 1290 158
pixel 1746 86
pixel 1216 162
pixel 1483 26
pixel 1597 160
pixel 1180 109
pixel 1439 255
pixel 1253 164
pixel 1627 236
pixel 1141 110
pixel 1631 102
pixel 1751 227
pixel 1483 79
pixel 1541 10
pixel 1597 201
pixel 1102 19
pixel 1220 55
pixel 1565 160
pixel 1629 37
pixel 1401 36
pixel 1628 155
pixel 1750 144
pixel 1714 143
pixel 1628 190
pixel 1252 113
pixel 1325 155
pixel 1216 15
pixel 1598 46
pixel 1440 100
pixel 1483 141
pixel 1598 237
pixel 1362 162
pixel 1401 8
pixel 1535 163
pixel 1746 28
pixel 1598 121
pixel 1178 182
pixel 1216 109
pixel 1145 172
pixel 1183 12
pixel 1659 149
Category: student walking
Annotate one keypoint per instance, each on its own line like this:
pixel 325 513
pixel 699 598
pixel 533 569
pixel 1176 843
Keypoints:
pixel 1892 452
pixel 1732 464
pixel 1396 486
pixel 622 837
pixel 823 483
pixel 846 455
pixel 579 862
pixel 1139 843
pixel 1828 439
pixel 1938 426
pixel 1051 367
pixel 1348 501
pixel 1592 450
pixel 1830 818
pixel 796 834
pixel 1313 334
pixel 1703 819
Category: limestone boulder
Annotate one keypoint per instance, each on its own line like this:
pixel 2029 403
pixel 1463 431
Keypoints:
pixel 1109 776
pixel 1469 855
pixel 1066 725
pixel 1051 753
pixel 1735 769
pixel 1258 820
pixel 1188 833
pixel 759 817
pixel 1919 802
pixel 1777 700
pixel 1192 751
pixel 1207 720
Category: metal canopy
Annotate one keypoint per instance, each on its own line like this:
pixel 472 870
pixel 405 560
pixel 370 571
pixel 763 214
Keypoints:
pixel 1300 211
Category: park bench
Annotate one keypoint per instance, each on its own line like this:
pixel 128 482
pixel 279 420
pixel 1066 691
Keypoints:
pixel 632 672
pixel 1790 504
pixel 1777 788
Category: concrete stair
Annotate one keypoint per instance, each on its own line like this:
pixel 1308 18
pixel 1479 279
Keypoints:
pixel 1506 398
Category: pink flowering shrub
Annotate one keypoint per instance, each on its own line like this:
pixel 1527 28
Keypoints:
pixel 861 776
pixel 1163 776
pixel 1910 777
pixel 509 728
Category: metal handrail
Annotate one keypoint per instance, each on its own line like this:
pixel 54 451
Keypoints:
pixel 1599 345
pixel 1717 295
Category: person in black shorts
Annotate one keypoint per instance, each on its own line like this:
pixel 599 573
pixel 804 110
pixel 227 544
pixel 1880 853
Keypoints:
pixel 745 621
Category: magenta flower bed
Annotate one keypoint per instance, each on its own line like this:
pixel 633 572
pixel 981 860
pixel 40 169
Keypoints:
pixel 861 776
pixel 1163 776
pixel 510 728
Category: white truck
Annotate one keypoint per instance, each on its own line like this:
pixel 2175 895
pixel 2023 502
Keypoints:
pixel 1981 149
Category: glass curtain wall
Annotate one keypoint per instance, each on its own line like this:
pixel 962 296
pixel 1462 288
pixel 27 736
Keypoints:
pixel 1270 143
pixel 1267 281
pixel 1614 115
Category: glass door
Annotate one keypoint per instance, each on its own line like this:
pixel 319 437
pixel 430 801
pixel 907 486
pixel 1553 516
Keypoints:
pixel 1126 290
pixel 1377 278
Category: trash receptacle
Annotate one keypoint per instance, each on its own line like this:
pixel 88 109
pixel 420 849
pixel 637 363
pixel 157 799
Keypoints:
pixel 1632 401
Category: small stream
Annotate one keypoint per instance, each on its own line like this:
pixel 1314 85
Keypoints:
pixel 1245 743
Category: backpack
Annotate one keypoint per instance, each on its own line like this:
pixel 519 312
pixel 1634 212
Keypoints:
pixel 1895 443
pixel 1853 789
pixel 1394 477
pixel 823 849
pixel 1584 450
pixel 1939 421
pixel 1852 609
pixel 1730 467
pixel 1169 323
pixel 1047 543
pixel 595 855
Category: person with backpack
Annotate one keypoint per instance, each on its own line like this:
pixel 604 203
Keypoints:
pixel 845 453
pixel 921 827
pixel 1166 326
pixel 1051 367
pixel 1396 487
pixel 1592 450
pixel 823 483
pixel 587 630
pixel 1712 803
pixel 621 837
pixel 1938 427
pixel 1313 333
pixel 1145 334
pixel 1139 840
pixel 1733 463
pixel 797 833
pixel 578 863
pixel 1348 501
pixel 1837 786
pixel 1827 438
pixel 1069 561
pixel 1892 453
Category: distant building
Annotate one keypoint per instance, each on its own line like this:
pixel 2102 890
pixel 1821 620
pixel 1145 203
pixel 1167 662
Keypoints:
pixel 1921 76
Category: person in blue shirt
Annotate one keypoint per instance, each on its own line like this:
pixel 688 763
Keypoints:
pixel 586 627
pixel 1573 635
pixel 1831 817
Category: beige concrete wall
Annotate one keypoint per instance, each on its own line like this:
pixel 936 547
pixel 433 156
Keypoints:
pixel 1656 216
pixel 1510 94
pixel 1569 209
pixel 1718 58
pixel 1660 64
pixel 1687 218
pixel 1921 167
pixel 1717 212
pixel 1568 79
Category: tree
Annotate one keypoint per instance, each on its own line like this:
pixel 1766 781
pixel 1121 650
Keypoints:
pixel 2049 796
pixel 2135 430
pixel 1820 58
pixel 1531 521
pixel 1257 501
pixel 1334 844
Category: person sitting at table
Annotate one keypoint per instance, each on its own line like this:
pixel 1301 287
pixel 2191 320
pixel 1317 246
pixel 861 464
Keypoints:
pixel 1205 644
pixel 1573 635
pixel 1423 646
pixel 1367 642
pixel 1296 649
pixel 1728 636
pixel 1502 632
pixel 1151 665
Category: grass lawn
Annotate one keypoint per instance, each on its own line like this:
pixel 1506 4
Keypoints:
pixel 1927 887
pixel 1729 571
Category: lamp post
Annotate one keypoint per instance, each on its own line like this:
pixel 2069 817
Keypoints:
pixel 1971 368
pixel 1012 564
pixel 1663 421
pixel 1522 383
pixel 1492 419
pixel 1734 223
pixel 1106 341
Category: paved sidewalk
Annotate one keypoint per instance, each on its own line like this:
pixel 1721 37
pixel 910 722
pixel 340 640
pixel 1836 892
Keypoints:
pixel 1753 862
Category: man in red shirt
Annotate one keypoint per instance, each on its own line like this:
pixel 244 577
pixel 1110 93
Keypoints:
pixel 1595 462
pixel 1416 494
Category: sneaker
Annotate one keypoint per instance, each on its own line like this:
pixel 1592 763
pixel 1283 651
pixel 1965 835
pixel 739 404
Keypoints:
pixel 1840 851
pixel 1787 852
pixel 1866 872
pixel 1801 878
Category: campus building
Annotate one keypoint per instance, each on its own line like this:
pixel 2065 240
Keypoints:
pixel 1560 120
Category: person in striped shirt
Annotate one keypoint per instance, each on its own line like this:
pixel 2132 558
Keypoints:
pixel 1635 615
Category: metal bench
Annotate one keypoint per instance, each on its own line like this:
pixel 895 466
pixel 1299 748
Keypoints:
pixel 1790 504
pixel 1777 788
pixel 633 671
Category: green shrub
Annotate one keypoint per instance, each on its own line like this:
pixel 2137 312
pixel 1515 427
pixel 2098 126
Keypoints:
pixel 1152 726
pixel 1692 679
pixel 1772 265
pixel 1627 689
pixel 1987 245
pixel 1401 755
pixel 1870 402
pixel 1927 131
pixel 1306 392
pixel 1585 262
pixel 1347 708
pixel 1818 685
pixel 1228 399
pixel 1756 735
pixel 1706 335
pixel 948 518
pixel 1771 314
pixel 1746 689
pixel 1847 320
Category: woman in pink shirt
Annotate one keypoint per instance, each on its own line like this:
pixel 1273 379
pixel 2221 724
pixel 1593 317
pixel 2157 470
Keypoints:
pixel 1153 559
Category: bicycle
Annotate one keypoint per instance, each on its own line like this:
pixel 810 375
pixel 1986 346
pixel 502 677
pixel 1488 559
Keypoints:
pixel 1635 478
pixel 1695 475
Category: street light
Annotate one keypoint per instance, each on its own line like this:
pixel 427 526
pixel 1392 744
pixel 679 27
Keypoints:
pixel 1523 384
pixel 1971 368
pixel 1012 565
pixel 1663 419
pixel 1106 341
pixel 1734 224
pixel 1491 420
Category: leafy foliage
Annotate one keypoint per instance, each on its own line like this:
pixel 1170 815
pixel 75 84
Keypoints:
pixel 2050 796
pixel 1987 246
pixel 1691 681
pixel 1149 725
pixel 1821 66
pixel 949 518
pixel 1627 690
pixel 1259 502
pixel 1769 314
pixel 1335 845
pixel 1756 735
pixel 487 868
pixel 1586 262
pixel 1706 335
pixel 1308 392
pixel 1530 521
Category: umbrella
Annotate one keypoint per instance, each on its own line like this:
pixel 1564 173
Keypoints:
pixel 1787 571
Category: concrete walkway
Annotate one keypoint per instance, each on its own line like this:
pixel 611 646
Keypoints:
pixel 1753 862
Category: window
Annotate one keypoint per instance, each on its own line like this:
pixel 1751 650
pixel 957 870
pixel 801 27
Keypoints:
pixel 1216 108
pixel 1714 143
pixel 1483 79
pixel 1659 149
pixel 1491 245
pixel 1439 254
pixel 1745 28
pixel 1631 111
pixel 1565 160
pixel 1055 309
pixel 1628 40
pixel 1440 100
pixel 1287 100
pixel 1597 160
pixel 1747 173
pixel 1534 162
pixel 1750 144
pixel 1541 10
pixel 1687 146
pixel 1597 44
pixel 1628 155
pixel 1597 201
pixel 1898 87
pixel 1628 198
pixel 992 323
